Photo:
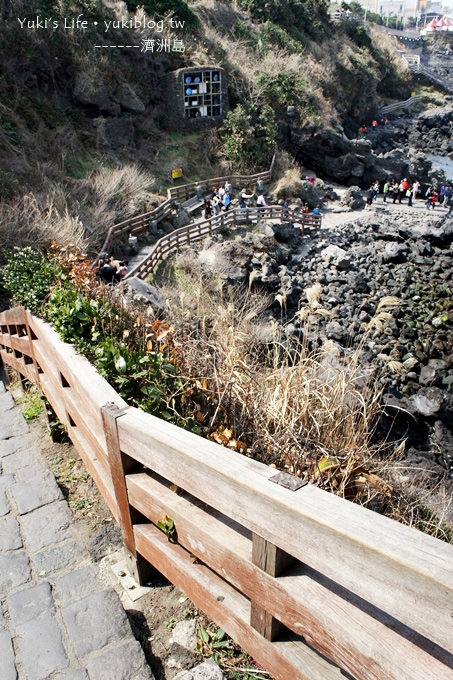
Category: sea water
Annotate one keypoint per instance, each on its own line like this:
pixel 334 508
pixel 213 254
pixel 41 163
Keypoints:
pixel 443 162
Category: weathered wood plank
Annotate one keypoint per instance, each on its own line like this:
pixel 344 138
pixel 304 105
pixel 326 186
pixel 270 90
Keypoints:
pixel 273 561
pixel 110 414
pixel 81 411
pixel 19 365
pixel 230 610
pixel 83 447
pixel 404 572
pixel 371 646
pixel 13 316
pixel 84 378
pixel 20 343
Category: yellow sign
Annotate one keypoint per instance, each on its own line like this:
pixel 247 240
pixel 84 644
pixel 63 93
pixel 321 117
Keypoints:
pixel 177 172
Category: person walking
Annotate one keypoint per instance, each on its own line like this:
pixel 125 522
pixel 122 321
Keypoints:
pixel 448 200
pixel 226 201
pixel 243 198
pixel 395 186
pixel 402 188
pixel 207 209
pixel 216 203
pixel 375 188
pixel 413 192
pixel 261 201
pixel 386 190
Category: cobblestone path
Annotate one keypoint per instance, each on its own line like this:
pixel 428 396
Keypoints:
pixel 57 621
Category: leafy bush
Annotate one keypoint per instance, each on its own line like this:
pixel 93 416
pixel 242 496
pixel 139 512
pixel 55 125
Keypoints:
pixel 29 276
pixel 248 133
pixel 358 34
pixel 139 360
pixel 180 10
pixel 282 89
pixel 271 34
pixel 9 185
pixel 308 16
pixel 72 314
pixel 243 32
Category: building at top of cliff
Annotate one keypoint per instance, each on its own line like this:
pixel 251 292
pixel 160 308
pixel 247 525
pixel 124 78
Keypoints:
pixel 397 8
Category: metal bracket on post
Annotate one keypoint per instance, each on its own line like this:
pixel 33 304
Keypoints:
pixel 119 467
pixel 288 481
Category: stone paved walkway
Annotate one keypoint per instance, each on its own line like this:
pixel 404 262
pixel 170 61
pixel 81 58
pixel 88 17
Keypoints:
pixel 57 621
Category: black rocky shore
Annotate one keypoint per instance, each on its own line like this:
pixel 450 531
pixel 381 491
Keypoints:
pixel 397 149
pixel 408 255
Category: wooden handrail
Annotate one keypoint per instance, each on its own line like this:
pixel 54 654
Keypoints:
pixel 402 105
pixel 367 594
pixel 194 232
pixel 140 223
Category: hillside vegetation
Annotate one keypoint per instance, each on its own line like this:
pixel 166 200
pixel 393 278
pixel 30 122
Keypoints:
pixel 83 135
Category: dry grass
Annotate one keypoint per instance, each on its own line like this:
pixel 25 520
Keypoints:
pixel 108 195
pixel 244 63
pixel 289 183
pixel 38 220
pixel 81 215
pixel 389 44
pixel 303 405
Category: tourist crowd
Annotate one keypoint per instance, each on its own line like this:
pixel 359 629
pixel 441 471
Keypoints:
pixel 110 271
pixel 398 191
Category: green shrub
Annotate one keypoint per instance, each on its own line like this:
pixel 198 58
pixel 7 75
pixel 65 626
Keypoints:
pixel 358 34
pixel 179 9
pixel 29 276
pixel 248 133
pixel 9 185
pixel 72 314
pixel 141 369
pixel 243 32
pixel 273 35
pixel 306 16
pixel 282 89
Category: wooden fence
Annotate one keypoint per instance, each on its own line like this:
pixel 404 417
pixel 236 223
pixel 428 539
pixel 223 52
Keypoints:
pixel 311 585
pixel 140 223
pixel 412 61
pixel 194 232
pixel 402 105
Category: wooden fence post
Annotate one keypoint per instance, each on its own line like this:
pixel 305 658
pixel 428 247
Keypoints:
pixel 120 465
pixel 4 372
pixel 273 561
pixel 31 336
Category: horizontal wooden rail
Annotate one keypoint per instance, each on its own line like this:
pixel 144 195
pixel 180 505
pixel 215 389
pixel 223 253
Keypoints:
pixel 140 223
pixel 194 232
pixel 402 105
pixel 362 596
